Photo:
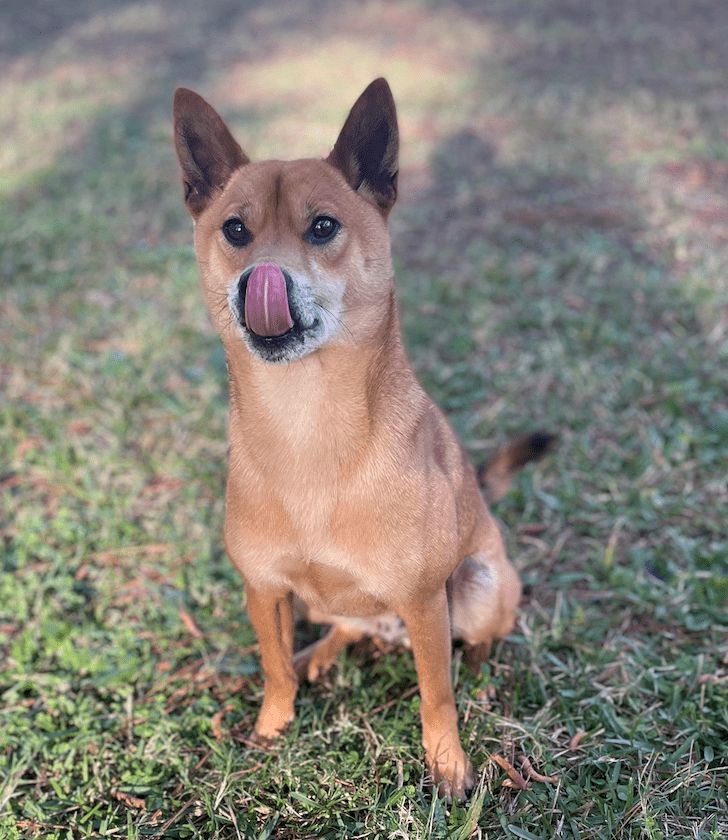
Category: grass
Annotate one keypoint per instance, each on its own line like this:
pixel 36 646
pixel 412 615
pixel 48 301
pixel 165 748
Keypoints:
pixel 561 263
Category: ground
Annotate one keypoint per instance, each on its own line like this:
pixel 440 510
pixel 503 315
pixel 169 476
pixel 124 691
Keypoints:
pixel 561 244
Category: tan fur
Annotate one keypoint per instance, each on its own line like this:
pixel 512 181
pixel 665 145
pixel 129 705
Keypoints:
pixel 347 486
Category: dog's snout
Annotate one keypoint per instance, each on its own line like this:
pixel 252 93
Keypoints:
pixel 239 293
pixel 244 277
pixel 279 317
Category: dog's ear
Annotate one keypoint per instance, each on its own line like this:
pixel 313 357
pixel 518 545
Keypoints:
pixel 207 152
pixel 368 146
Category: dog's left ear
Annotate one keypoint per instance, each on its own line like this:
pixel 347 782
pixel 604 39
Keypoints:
pixel 368 147
pixel 208 154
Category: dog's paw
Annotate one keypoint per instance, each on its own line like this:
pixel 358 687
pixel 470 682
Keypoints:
pixel 316 660
pixel 321 663
pixel 272 722
pixel 453 780
pixel 312 662
pixel 260 742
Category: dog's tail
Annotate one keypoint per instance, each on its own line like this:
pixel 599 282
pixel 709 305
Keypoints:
pixel 496 475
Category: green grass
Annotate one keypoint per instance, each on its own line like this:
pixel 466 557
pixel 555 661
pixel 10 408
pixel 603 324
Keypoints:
pixel 561 264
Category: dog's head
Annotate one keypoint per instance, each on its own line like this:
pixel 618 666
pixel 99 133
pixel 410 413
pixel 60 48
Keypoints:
pixel 293 255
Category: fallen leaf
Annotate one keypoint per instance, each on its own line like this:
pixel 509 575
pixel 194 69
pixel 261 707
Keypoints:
pixel 515 779
pixel 711 679
pixel 28 445
pixel 79 427
pixel 577 739
pixel 217 720
pixel 190 625
pixel 128 799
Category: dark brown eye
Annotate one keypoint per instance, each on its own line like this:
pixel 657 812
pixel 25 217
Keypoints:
pixel 236 233
pixel 322 230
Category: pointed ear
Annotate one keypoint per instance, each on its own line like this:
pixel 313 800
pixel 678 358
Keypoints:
pixel 206 150
pixel 368 146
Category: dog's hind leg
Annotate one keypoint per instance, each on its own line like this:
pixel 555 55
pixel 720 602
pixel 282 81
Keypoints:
pixel 484 590
pixel 316 660
pixel 483 593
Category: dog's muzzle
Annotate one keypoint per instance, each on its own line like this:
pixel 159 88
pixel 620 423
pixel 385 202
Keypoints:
pixel 279 320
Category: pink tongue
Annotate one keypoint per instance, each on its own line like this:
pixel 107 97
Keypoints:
pixel 266 301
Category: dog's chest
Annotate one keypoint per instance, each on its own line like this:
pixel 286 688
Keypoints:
pixel 336 555
pixel 333 584
pixel 293 412
pixel 312 507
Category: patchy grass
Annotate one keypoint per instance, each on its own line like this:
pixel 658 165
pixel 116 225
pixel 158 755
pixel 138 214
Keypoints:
pixel 561 257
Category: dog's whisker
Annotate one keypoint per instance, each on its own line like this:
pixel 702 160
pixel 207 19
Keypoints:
pixel 336 319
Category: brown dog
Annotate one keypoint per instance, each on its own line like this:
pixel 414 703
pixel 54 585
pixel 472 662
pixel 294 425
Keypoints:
pixel 347 486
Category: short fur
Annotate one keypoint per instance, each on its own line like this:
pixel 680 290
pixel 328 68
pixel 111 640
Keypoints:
pixel 347 487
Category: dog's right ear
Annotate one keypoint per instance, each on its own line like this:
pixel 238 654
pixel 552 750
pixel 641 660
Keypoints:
pixel 207 152
pixel 367 149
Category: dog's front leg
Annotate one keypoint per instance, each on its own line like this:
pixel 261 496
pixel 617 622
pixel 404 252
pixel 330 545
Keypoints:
pixel 428 625
pixel 271 614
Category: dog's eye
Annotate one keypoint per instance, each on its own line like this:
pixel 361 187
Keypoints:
pixel 323 230
pixel 236 233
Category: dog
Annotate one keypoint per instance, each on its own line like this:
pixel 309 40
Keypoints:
pixel 347 488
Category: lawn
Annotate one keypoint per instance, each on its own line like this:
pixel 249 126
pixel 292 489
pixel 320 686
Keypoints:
pixel 561 245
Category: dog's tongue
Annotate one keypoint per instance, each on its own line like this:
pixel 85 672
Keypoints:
pixel 266 301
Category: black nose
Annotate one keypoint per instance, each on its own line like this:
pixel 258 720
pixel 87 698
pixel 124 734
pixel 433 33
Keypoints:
pixel 242 289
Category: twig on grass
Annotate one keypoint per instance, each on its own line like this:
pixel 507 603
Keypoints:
pixel 531 773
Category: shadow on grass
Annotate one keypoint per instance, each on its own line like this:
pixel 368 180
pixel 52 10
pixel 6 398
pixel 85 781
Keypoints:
pixel 33 28
pixel 674 50
pixel 534 290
